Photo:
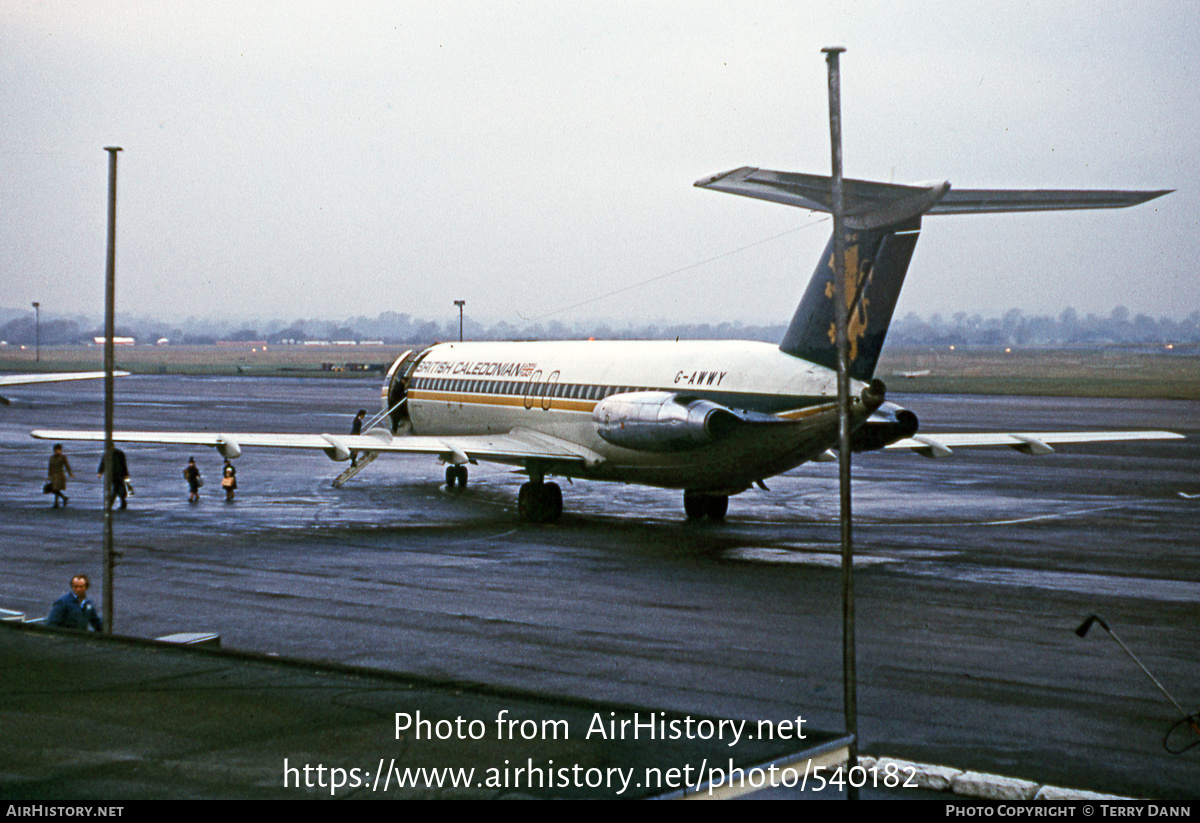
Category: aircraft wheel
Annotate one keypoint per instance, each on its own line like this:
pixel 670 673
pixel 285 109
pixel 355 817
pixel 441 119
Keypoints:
pixel 526 503
pixel 553 494
pixel 693 505
pixel 715 507
pixel 456 475
pixel 697 506
pixel 539 502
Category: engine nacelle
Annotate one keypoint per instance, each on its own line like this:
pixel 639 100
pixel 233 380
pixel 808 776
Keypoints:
pixel 662 421
pixel 887 424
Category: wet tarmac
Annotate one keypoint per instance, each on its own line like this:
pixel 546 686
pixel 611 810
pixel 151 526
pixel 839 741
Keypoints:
pixel 973 573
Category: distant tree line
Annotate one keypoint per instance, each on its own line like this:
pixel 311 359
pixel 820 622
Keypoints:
pixel 1013 328
pixel 1069 328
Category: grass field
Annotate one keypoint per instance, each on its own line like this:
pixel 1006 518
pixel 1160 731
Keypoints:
pixel 1050 372
pixel 1114 372
pixel 307 361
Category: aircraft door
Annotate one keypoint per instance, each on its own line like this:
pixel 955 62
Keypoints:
pixel 395 388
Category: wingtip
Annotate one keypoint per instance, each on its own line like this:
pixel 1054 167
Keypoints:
pixel 1139 197
pixel 705 182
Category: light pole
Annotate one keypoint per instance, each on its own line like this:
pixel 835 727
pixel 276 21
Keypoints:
pixel 37 326
pixel 841 299
pixel 460 304
pixel 110 277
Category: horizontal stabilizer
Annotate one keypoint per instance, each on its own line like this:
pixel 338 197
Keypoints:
pixel 874 205
pixel 868 205
pixel 979 201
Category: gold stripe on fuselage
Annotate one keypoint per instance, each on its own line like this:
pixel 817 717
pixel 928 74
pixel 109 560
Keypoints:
pixel 513 401
pixel 567 404
pixel 808 411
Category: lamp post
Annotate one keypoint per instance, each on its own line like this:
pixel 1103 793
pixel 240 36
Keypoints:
pixel 37 331
pixel 109 300
pixel 460 304
pixel 841 338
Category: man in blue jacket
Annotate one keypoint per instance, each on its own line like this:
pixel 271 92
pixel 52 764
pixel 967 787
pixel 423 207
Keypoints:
pixel 74 610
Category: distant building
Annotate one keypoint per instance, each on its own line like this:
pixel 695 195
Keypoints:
pixel 368 367
pixel 117 341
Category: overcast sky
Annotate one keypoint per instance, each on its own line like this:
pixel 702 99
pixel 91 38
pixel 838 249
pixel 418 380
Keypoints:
pixel 347 158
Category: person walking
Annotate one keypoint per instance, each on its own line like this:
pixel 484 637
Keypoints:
pixel 228 480
pixel 356 428
pixel 120 477
pixel 56 476
pixel 192 475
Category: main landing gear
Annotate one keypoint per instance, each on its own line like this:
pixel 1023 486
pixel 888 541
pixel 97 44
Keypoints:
pixel 698 505
pixel 456 474
pixel 539 502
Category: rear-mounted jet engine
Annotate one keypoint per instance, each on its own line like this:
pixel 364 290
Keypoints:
pixel 662 421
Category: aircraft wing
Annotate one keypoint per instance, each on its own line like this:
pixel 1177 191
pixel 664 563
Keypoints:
pixel 942 445
pixel 517 446
pixel 22 379
pixel 52 377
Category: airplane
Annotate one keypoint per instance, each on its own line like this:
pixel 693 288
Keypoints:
pixel 712 418
pixel 27 379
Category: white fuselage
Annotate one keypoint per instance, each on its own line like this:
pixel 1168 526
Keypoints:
pixel 553 387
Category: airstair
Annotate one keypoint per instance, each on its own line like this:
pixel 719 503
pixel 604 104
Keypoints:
pixel 394 416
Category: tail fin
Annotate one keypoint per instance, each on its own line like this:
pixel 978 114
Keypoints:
pixel 876 262
pixel 882 222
